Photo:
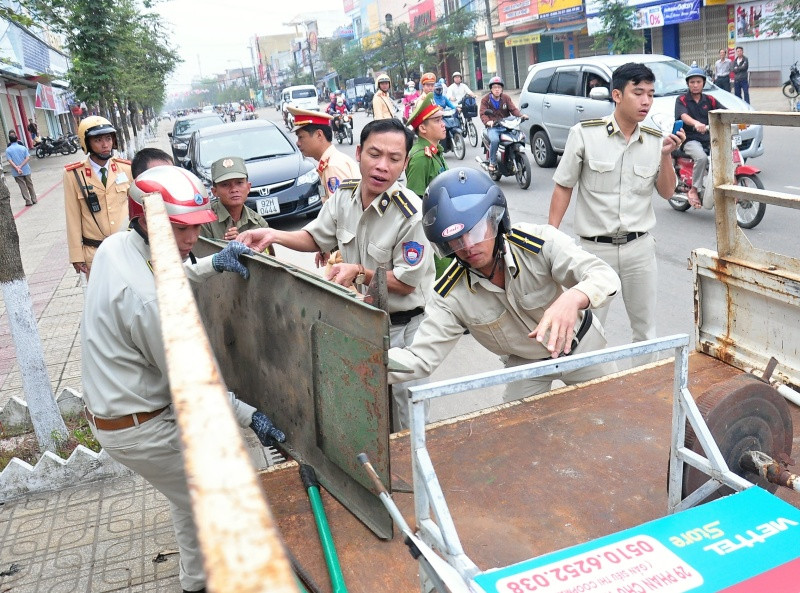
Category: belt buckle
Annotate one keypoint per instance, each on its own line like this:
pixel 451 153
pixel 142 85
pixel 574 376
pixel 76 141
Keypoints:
pixel 619 238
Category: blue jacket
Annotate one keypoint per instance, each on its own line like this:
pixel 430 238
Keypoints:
pixel 442 101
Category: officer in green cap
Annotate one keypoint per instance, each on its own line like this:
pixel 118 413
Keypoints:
pixel 425 161
pixel 230 185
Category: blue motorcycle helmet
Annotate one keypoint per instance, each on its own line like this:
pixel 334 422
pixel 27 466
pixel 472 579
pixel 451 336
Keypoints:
pixel 696 71
pixel 462 207
pixel 438 87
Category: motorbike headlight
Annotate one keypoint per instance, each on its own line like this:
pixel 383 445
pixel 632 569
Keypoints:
pixel 182 145
pixel 308 177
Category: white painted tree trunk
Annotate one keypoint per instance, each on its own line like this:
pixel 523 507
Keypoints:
pixel 47 422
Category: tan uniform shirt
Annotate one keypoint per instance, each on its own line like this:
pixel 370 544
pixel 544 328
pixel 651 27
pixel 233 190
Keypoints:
pixel 540 263
pixel 615 178
pixel 335 167
pixel 388 233
pixel 113 200
pixel 247 221
pixel 382 106
pixel 124 364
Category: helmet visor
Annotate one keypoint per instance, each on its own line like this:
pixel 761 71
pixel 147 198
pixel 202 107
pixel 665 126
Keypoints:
pixel 483 230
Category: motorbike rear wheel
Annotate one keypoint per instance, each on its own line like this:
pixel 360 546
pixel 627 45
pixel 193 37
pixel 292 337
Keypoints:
pixel 459 147
pixel 789 90
pixel 339 137
pixel 472 133
pixel 349 131
pixel 749 213
pixel 523 170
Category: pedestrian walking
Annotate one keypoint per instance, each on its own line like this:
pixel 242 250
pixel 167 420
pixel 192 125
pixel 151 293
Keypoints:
pixel 19 158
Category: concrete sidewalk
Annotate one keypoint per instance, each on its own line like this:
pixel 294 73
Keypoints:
pixel 101 536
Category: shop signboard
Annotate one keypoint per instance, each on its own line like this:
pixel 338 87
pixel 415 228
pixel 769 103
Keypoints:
pixel 750 19
pixel 557 9
pixel 514 12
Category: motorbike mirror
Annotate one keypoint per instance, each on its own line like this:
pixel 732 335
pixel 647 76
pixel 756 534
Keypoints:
pixel 169 134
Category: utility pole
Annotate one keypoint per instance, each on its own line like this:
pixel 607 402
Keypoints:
pixel 490 35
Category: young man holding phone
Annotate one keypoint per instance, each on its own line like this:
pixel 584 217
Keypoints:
pixel 619 163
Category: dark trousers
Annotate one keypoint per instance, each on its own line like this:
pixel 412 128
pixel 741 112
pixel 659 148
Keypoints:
pixel 742 87
pixel 723 82
pixel 26 187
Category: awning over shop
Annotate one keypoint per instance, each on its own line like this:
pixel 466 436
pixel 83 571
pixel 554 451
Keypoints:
pixel 528 38
pixel 565 29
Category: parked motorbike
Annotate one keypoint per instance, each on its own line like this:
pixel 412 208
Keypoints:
pixel 454 141
pixel 342 125
pixel 748 213
pixel 791 88
pixel 511 157
pixel 73 139
pixel 47 146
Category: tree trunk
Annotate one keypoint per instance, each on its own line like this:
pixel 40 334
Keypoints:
pixel 47 422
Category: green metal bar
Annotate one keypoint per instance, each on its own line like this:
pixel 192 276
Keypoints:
pixel 309 477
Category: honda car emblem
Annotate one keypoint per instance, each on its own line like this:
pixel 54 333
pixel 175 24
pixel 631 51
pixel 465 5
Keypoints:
pixel 263 191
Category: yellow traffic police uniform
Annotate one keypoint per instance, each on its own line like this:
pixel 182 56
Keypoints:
pixel 86 229
pixel 335 167
pixel 614 212
pixel 388 233
pixel 540 263
pixel 382 106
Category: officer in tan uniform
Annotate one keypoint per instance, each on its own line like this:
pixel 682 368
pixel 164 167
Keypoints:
pixel 616 164
pixel 523 292
pixel 95 192
pixel 314 139
pixel 382 105
pixel 374 222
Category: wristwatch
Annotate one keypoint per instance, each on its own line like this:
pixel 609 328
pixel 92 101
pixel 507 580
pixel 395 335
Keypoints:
pixel 361 276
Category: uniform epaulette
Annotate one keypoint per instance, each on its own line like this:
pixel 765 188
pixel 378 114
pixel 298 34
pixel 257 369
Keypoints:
pixel 592 122
pixel 651 131
pixel 525 240
pixel 73 166
pixel 406 207
pixel 445 283
pixel 349 184
pixel 121 160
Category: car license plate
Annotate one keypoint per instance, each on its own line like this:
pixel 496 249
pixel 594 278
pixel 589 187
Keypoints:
pixel 267 206
pixel 737 140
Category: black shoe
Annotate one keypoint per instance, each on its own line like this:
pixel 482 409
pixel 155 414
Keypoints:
pixel 203 590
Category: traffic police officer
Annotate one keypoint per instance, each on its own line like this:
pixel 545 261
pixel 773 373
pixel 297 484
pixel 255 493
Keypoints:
pixel 314 139
pixel 374 222
pixel 425 161
pixel 95 192
pixel 125 382
pixel 617 163
pixel 382 105
pixel 523 292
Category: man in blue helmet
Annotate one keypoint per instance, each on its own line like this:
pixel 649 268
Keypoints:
pixel 523 292
pixel 692 108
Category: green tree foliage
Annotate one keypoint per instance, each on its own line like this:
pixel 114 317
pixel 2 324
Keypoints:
pixel 119 53
pixel 618 35
pixel 785 18
pixel 452 35
pixel 348 62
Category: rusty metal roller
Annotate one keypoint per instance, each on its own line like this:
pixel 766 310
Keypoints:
pixel 743 414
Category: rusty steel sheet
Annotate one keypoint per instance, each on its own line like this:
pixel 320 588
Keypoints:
pixel 520 480
pixel 241 547
pixel 746 313
pixel 313 358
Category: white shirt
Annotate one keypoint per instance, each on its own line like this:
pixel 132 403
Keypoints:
pixel 456 92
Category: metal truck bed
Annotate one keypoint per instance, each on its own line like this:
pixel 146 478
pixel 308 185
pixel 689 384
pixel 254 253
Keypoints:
pixel 521 480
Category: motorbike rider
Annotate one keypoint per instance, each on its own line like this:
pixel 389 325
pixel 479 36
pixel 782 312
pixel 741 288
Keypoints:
pixel 523 292
pixel 440 98
pixel 458 90
pixel 692 108
pixel 338 107
pixel 382 105
pixel 495 106
pixel 409 99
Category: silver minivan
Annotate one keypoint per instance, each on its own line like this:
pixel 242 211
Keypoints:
pixel 558 94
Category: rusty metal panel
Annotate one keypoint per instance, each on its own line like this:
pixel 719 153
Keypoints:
pixel 745 314
pixel 313 358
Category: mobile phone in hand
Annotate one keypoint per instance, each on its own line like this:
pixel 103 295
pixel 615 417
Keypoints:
pixel 676 127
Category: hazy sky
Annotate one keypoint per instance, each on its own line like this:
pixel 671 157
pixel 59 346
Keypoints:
pixel 214 36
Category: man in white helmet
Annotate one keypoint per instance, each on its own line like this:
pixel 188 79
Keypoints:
pixel 458 90
pixel 125 383
pixel 95 192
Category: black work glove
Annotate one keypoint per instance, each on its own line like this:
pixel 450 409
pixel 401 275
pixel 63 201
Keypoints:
pixel 227 260
pixel 265 430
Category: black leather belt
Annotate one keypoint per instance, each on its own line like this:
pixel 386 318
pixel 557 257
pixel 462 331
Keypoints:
pixel 403 317
pixel 91 242
pixel 583 329
pixel 620 239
